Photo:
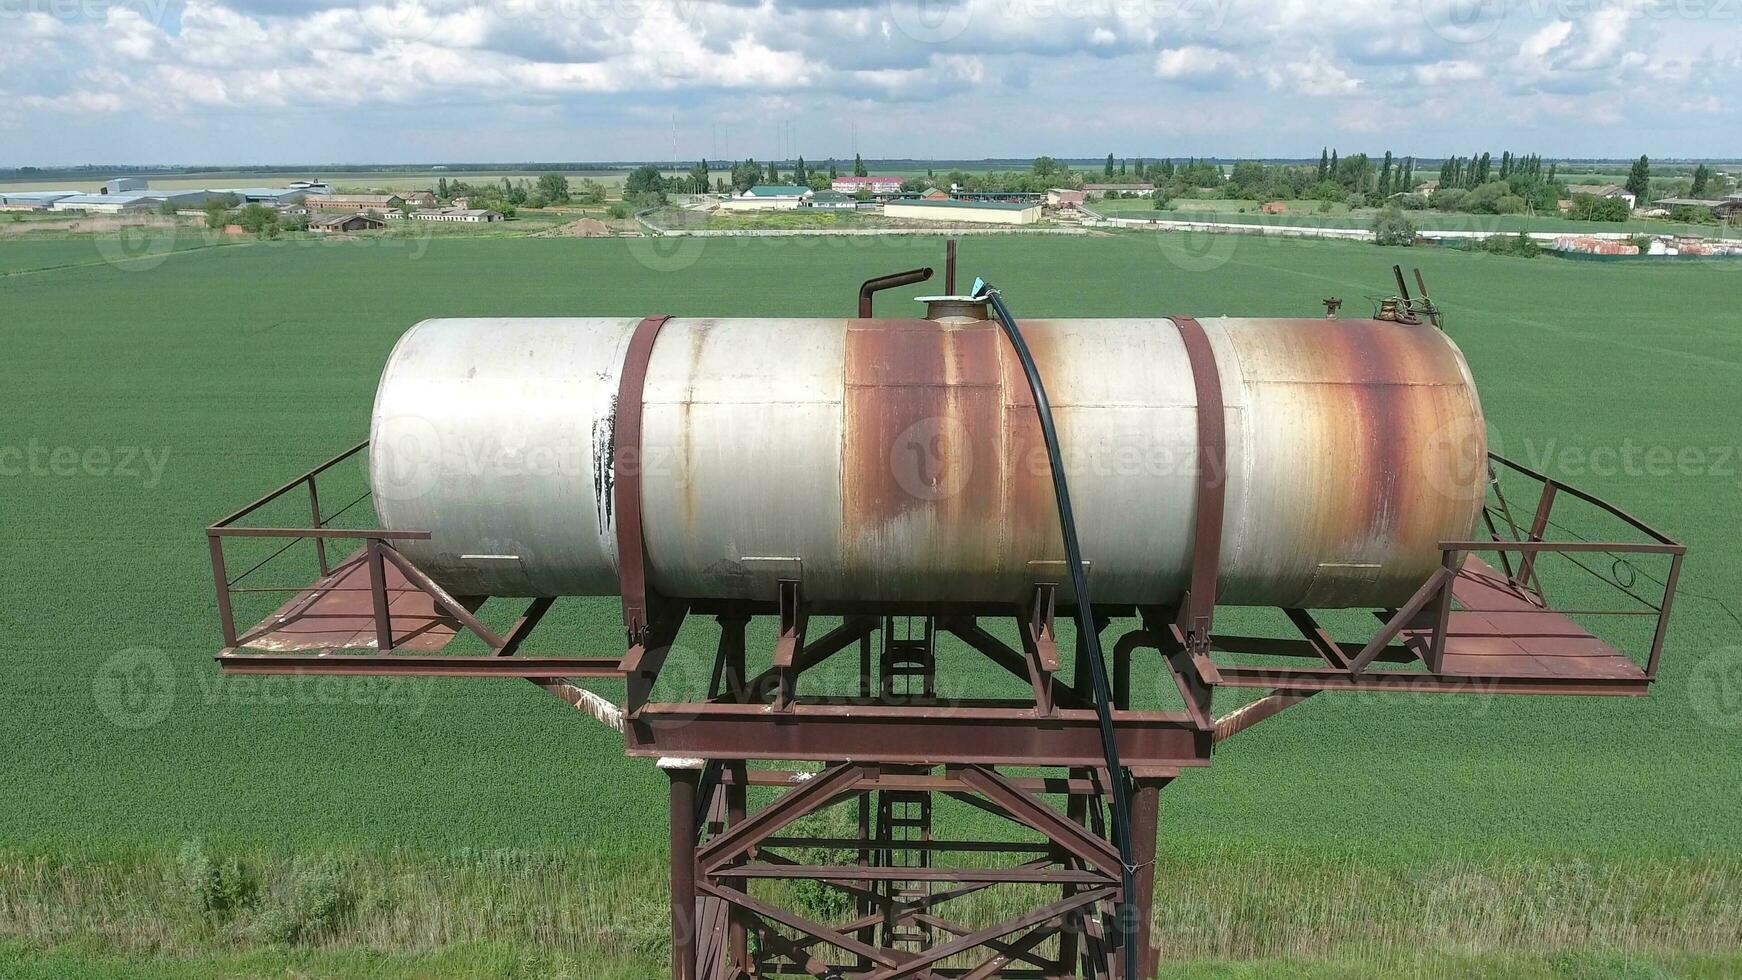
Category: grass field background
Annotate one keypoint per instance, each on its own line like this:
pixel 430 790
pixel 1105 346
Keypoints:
pixel 484 823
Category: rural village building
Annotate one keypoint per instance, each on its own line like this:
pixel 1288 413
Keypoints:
pixel 876 185
pixel 463 215
pixel 1603 190
pixel 346 222
pixel 830 201
pixel 354 202
pixel 1093 191
pixel 768 197
pixel 989 212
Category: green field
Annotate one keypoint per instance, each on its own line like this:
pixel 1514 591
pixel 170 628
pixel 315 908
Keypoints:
pixel 482 828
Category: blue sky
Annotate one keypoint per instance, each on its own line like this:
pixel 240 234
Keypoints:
pixel 262 81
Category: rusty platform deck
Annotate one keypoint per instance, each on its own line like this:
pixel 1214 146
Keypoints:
pixel 337 613
pixel 1503 631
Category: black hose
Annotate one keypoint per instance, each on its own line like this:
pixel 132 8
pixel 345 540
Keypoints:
pixel 1087 630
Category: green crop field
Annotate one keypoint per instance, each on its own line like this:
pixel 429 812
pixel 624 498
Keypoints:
pixel 161 821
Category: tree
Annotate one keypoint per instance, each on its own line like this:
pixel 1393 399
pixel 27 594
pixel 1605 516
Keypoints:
pixel 442 188
pixel 859 166
pixel 218 210
pixel 591 192
pixel 699 178
pixel 1385 176
pixel 833 173
pixel 1639 179
pixel 644 179
pixel 799 174
pixel 1702 177
pixel 1107 171
pixel 1324 164
pixel 553 188
pixel 773 173
pixel 1390 227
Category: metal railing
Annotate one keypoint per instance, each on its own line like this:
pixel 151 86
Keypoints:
pixel 375 542
pixel 1509 541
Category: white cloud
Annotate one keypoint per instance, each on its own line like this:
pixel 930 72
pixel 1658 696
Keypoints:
pixel 1447 72
pixel 1194 61
pixel 1316 75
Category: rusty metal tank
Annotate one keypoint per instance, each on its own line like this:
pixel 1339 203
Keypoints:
pixel 901 460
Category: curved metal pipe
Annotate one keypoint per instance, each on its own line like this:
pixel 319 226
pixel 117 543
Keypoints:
pixel 890 281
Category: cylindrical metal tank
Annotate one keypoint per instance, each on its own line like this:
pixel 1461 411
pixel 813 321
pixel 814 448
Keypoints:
pixel 901 460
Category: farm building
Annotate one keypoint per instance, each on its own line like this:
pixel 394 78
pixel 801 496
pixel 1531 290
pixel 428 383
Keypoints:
pixel 768 197
pixel 468 216
pixel 990 212
pixel 1274 207
pixel 121 203
pixel 346 222
pixel 31 200
pixel 126 185
pixel 1729 207
pixel 1093 191
pixel 270 196
pixel 1603 190
pixel 1060 197
pixel 354 202
pixel 830 201
pixel 934 194
pixel 876 185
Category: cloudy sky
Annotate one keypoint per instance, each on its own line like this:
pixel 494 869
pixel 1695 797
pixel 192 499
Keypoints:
pixel 261 81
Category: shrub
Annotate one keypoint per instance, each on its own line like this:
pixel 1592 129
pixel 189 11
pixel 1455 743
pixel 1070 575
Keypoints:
pixel 1449 198
pixel 217 889
pixel 318 900
pixel 1390 227
pixel 1509 204
pixel 1520 245
pixel 1412 202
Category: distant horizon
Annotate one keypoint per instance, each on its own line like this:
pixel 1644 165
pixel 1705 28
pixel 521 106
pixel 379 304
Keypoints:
pixel 899 163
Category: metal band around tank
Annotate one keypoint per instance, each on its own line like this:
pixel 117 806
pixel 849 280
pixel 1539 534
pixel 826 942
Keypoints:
pixel 1212 478
pixel 626 477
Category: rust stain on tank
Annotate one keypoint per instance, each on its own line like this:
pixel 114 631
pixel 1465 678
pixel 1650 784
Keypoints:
pixel 1032 504
pixel 922 465
pixel 1377 393
pixel 698 338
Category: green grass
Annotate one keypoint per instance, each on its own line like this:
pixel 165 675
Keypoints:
pixel 245 365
